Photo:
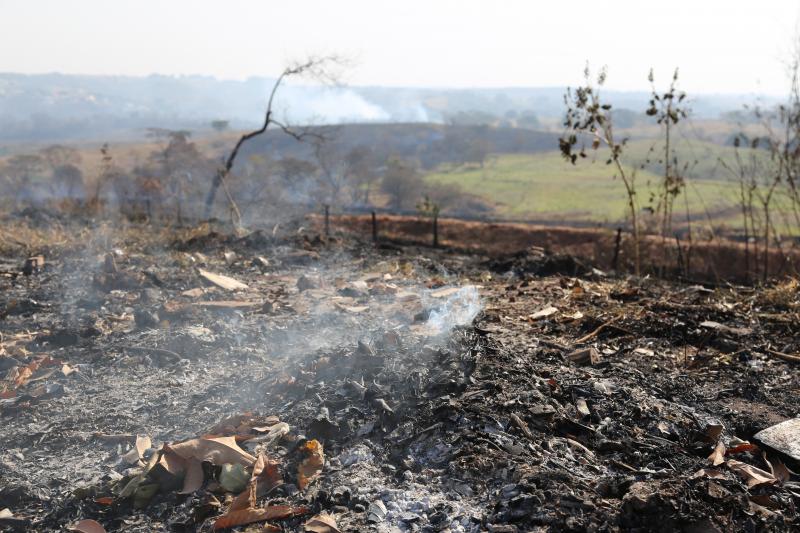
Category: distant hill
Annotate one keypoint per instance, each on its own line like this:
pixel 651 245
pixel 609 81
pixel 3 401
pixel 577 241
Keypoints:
pixel 54 107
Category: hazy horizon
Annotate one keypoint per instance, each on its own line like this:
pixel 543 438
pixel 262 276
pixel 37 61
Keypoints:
pixel 720 47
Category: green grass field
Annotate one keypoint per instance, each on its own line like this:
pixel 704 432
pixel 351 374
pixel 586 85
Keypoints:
pixel 544 185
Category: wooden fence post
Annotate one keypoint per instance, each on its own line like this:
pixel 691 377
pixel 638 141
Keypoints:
pixel 617 243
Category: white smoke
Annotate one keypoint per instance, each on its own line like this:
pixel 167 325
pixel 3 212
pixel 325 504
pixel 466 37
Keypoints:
pixel 458 309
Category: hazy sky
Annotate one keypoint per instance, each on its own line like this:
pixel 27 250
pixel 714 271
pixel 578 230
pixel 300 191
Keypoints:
pixel 720 45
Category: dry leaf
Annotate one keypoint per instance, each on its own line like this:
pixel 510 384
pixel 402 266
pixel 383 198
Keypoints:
pixel 221 281
pixel 711 473
pixel 137 452
pixel 322 523
pixel 248 516
pixel 717 457
pixel 753 476
pixel 777 468
pixel 311 465
pixel 246 499
pixel 216 450
pixel 6 513
pixel 88 526
pixel 444 293
pixel 544 313
pixel 194 476
pixel 194 293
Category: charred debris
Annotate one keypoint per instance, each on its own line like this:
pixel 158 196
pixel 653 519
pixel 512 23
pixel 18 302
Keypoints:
pixel 197 381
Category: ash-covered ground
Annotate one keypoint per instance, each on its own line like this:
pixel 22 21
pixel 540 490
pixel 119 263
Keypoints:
pixel 354 387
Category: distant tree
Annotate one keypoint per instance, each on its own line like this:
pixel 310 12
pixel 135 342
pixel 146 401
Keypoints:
pixel 472 117
pixel 477 151
pixel 58 155
pixel 293 169
pixel 20 172
pixel 401 183
pixel 625 118
pixel 68 183
pixel 360 162
pixel 220 125
pixel 528 119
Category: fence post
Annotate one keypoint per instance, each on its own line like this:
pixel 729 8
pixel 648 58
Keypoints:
pixel 436 230
pixel 681 268
pixel 617 243
pixel 374 227
pixel 327 221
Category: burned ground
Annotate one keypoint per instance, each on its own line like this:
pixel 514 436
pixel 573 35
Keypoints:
pixel 446 391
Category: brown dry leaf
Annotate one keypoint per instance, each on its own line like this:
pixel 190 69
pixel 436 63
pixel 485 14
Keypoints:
pixel 777 468
pixel 246 499
pixel 717 457
pixel 137 452
pixel 216 450
pixel 444 293
pixel 221 281
pixel 311 465
pixel 270 477
pixel 713 431
pixel 88 526
pixel 322 523
pixel 709 473
pixel 753 476
pixel 194 477
pixel 194 293
pixel 544 313
pixel 765 500
pixel 248 516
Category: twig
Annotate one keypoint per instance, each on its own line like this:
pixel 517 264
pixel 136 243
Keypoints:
pixel 789 358
pixel 597 330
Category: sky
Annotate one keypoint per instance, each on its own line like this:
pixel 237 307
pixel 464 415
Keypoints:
pixel 732 46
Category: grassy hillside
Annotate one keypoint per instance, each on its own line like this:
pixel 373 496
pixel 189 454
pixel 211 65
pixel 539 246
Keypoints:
pixel 544 185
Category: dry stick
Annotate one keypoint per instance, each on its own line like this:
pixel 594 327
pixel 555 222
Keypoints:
pixel 374 228
pixel 597 330
pixel 784 356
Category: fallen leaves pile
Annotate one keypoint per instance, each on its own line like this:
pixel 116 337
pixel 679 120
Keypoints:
pixel 216 467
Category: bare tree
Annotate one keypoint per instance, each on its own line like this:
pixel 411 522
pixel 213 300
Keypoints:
pixel 402 183
pixel 588 115
pixel 668 110
pixel 318 68
pixel 220 125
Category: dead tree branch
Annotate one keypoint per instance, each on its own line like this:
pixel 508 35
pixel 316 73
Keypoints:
pixel 318 68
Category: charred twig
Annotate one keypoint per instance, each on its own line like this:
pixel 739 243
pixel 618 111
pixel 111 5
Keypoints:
pixel 597 330
pixel 789 358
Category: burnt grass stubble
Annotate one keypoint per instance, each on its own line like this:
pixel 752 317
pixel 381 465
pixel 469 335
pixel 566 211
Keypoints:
pixel 480 430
